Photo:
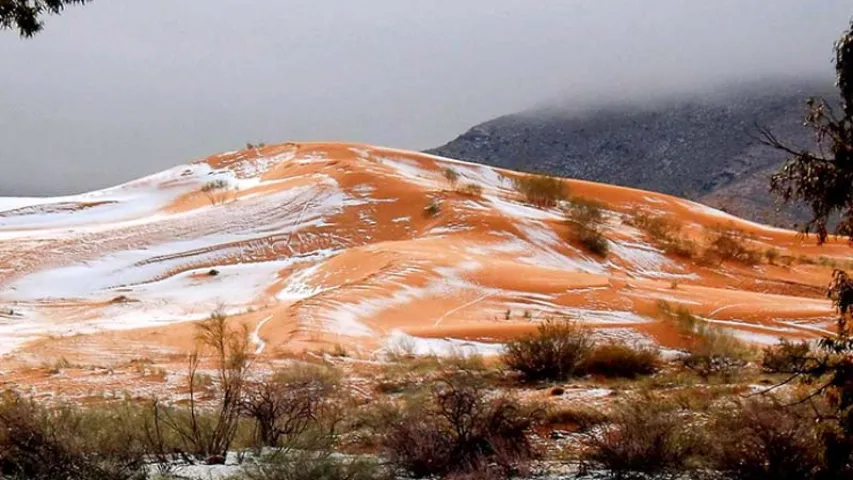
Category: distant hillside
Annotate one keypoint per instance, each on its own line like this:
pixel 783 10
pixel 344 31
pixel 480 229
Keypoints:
pixel 703 149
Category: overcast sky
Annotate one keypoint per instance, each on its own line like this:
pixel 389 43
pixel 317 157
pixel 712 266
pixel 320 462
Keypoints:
pixel 122 88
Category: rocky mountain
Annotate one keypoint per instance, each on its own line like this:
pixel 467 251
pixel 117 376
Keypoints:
pixel 702 148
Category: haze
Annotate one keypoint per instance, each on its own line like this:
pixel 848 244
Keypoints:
pixel 119 88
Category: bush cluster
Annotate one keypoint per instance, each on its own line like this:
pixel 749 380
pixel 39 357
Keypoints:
pixel 561 349
pixel 665 234
pixel 459 431
pixel 587 219
pixel 543 191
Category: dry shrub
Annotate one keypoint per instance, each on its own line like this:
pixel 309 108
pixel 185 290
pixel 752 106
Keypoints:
pixel 587 220
pixel 290 404
pixel 459 431
pixel 761 439
pixel 215 190
pixel 207 433
pixel 665 234
pixel 554 352
pixel 712 351
pixel 472 190
pixel 61 443
pixel 543 191
pixel 579 418
pixel 788 357
pixel 617 360
pixel 728 244
pixel 644 439
pixel 451 175
pixel 433 208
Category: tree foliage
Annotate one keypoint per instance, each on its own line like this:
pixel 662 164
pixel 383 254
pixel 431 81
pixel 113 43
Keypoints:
pixel 26 15
pixel 822 177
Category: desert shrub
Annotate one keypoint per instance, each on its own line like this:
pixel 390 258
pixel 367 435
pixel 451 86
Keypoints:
pixel 587 219
pixel 218 184
pixel 577 417
pixel 46 444
pixel 729 244
pixel 216 191
pixel 554 352
pixel 208 433
pixel 771 254
pixel 290 404
pixel 712 351
pixel 452 176
pixel 433 208
pixel 787 357
pixel 543 191
pixel 665 234
pixel 459 431
pixel 472 190
pixel 643 439
pixel 761 439
pixel 618 360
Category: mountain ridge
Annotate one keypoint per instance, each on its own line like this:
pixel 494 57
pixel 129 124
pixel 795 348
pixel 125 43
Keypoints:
pixel 702 148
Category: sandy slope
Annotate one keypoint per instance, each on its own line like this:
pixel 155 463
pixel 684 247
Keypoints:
pixel 324 244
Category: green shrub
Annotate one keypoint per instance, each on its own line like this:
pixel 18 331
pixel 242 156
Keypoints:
pixel 554 352
pixel 63 443
pixel 788 357
pixel 543 191
pixel 616 360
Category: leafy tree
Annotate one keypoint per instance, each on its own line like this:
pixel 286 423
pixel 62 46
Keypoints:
pixel 823 177
pixel 26 15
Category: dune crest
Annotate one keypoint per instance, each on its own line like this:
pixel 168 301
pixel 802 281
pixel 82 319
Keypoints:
pixel 313 245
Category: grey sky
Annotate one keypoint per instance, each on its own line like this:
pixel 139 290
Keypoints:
pixel 121 88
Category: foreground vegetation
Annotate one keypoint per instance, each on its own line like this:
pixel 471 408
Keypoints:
pixel 693 415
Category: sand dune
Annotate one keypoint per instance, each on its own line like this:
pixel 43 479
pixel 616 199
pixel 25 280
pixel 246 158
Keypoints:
pixel 314 245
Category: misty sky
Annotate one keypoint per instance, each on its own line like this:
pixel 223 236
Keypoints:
pixel 121 88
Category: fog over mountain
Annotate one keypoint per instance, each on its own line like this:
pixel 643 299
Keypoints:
pixel 117 89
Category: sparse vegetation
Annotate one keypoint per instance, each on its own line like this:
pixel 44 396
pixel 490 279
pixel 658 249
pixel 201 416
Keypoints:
pixel 206 437
pixel 433 208
pixel 452 176
pixel 771 254
pixel 459 431
pixel 642 439
pixel 587 220
pixel 665 234
pixel 215 190
pixel 617 360
pixel 712 351
pixel 543 191
pixel 760 439
pixel 728 244
pixel 472 190
pixel 554 352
